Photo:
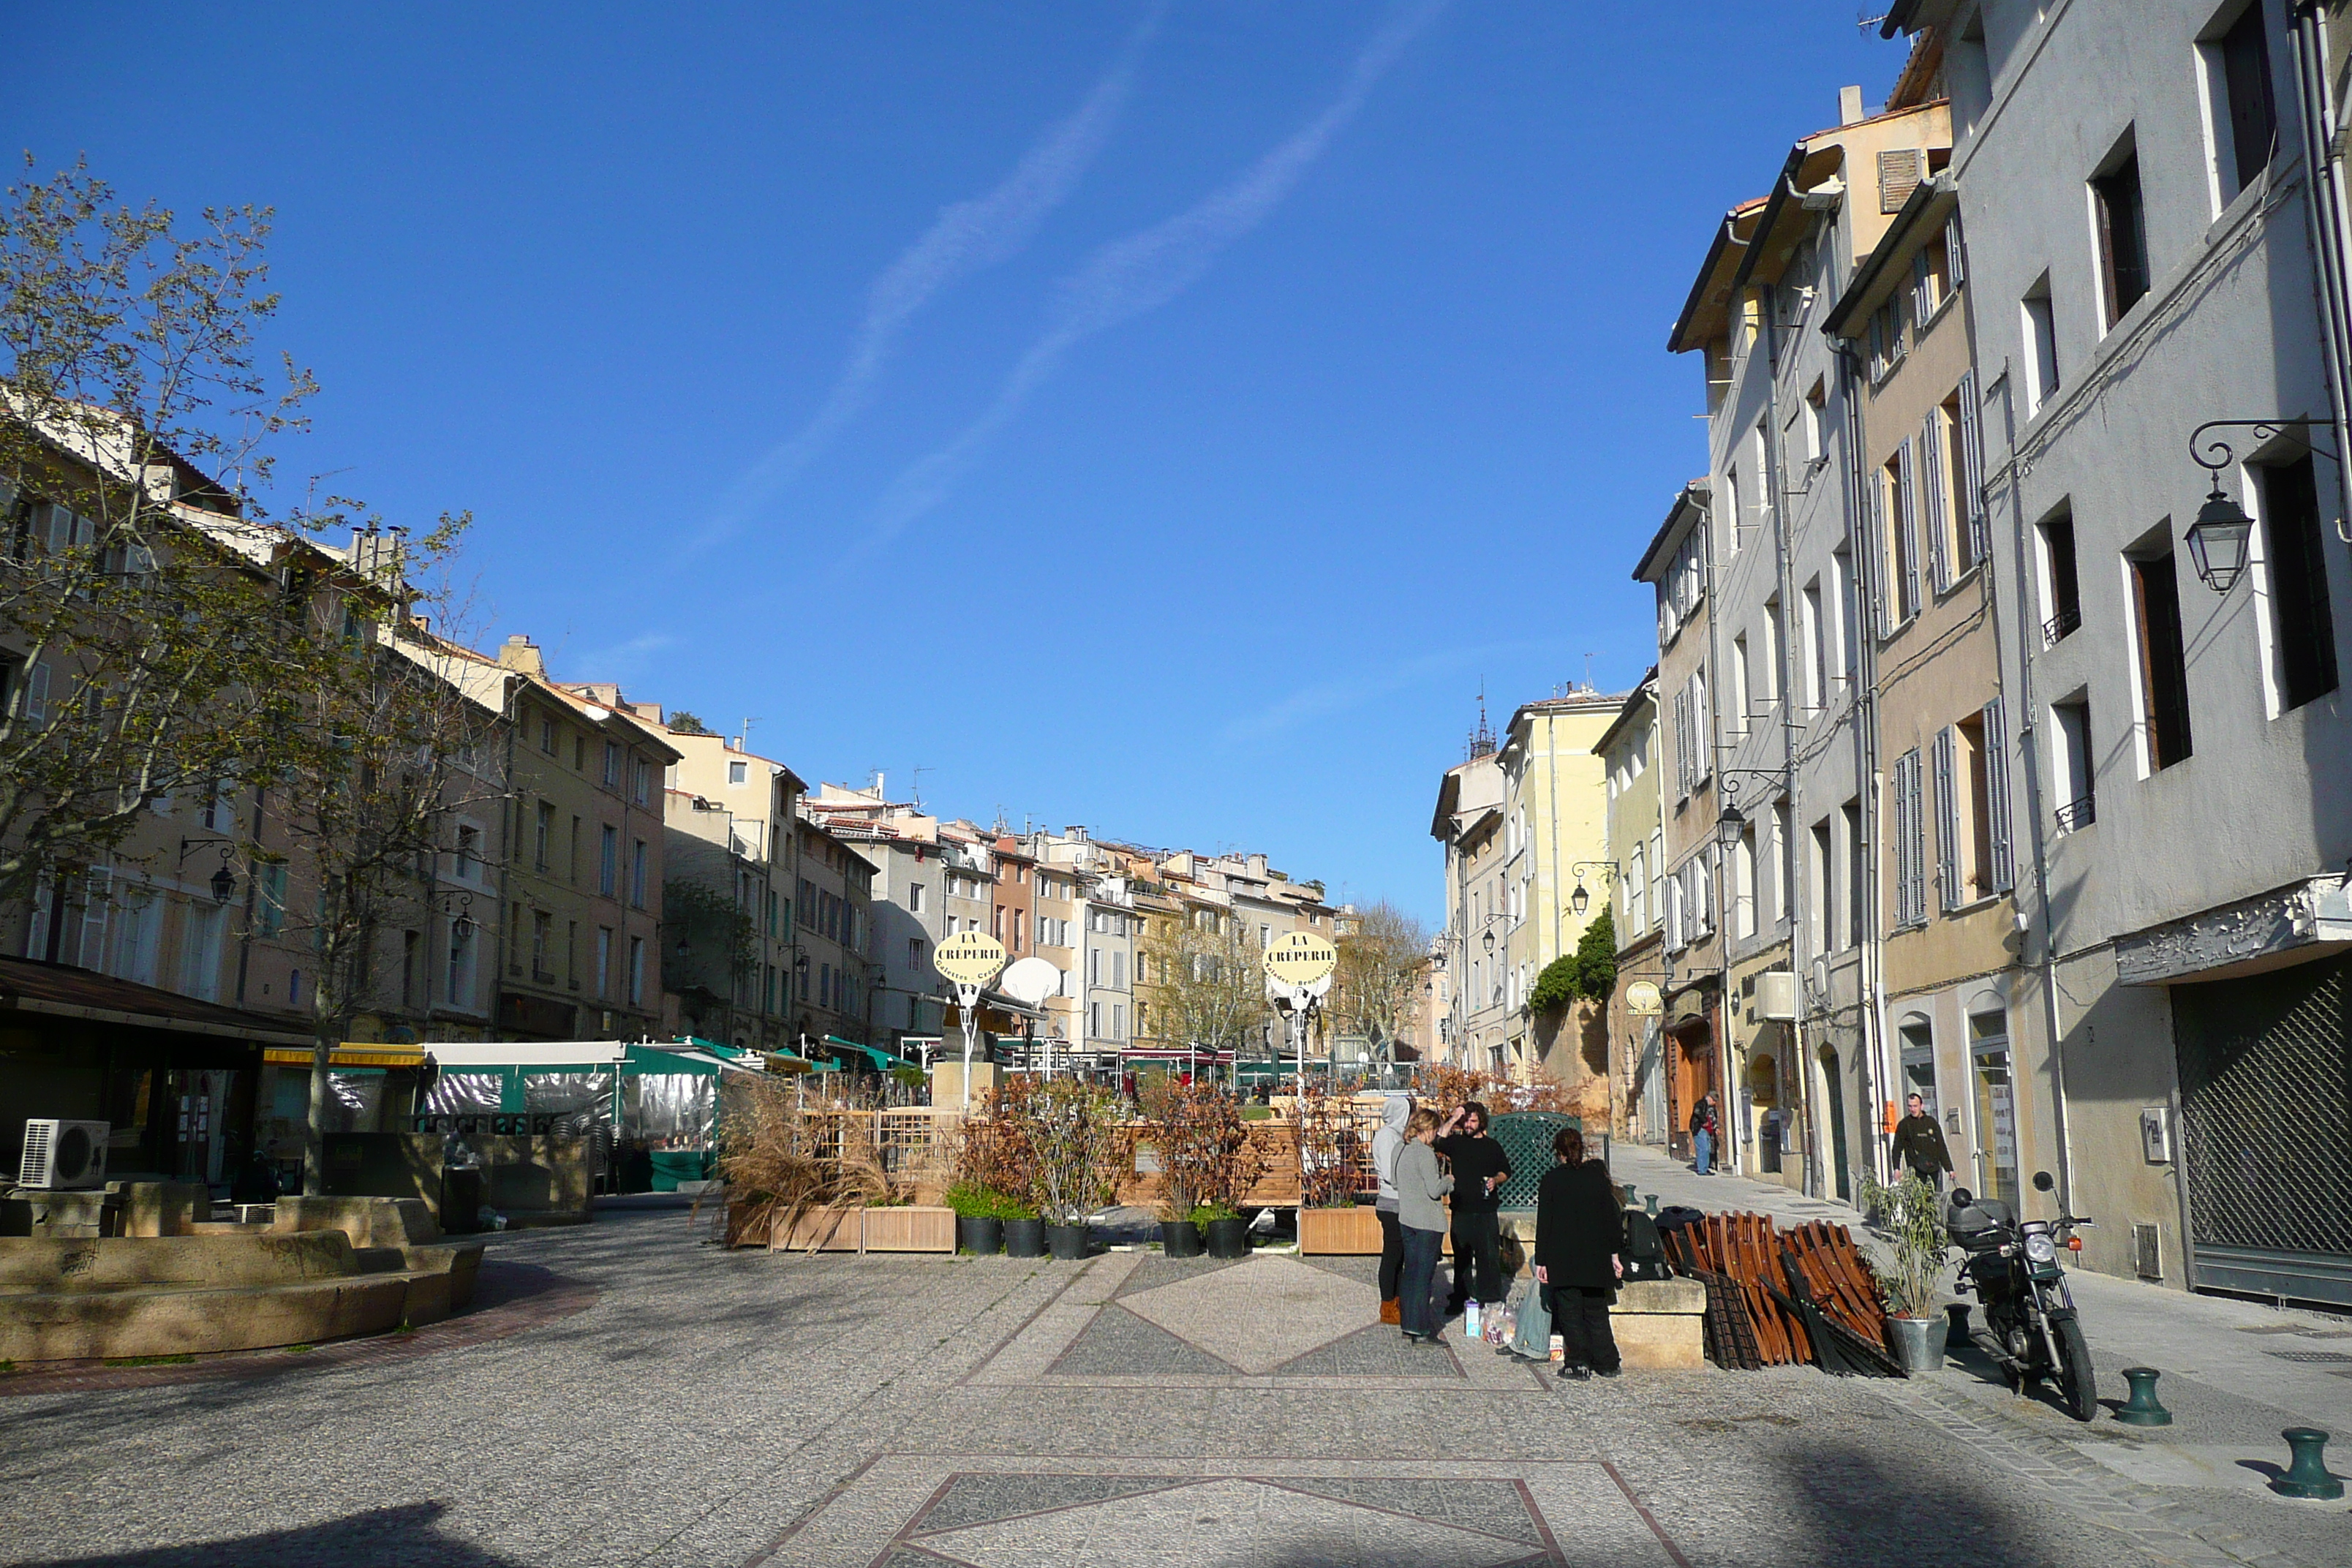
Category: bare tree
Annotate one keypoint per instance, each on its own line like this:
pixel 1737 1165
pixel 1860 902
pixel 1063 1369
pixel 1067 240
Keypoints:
pixel 1376 990
pixel 135 576
pixel 1206 982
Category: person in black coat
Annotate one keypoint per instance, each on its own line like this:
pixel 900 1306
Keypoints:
pixel 1580 1240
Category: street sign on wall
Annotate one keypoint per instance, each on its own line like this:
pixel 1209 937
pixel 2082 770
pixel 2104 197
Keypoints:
pixel 1300 959
pixel 970 958
pixel 1642 999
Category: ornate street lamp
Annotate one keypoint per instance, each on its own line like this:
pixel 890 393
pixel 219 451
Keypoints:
pixel 1579 900
pixel 2218 539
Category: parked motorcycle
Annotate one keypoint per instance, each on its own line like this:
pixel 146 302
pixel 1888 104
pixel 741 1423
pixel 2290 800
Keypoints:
pixel 2030 1325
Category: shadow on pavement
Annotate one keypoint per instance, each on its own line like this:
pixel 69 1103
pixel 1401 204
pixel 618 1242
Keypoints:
pixel 405 1536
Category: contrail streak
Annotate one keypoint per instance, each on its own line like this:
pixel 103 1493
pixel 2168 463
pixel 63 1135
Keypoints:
pixel 1143 271
pixel 966 237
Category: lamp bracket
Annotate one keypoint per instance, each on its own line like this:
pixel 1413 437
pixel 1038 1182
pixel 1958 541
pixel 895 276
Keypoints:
pixel 1607 870
pixel 2214 454
pixel 1728 779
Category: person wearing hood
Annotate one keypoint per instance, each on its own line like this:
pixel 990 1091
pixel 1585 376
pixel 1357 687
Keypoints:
pixel 1387 1144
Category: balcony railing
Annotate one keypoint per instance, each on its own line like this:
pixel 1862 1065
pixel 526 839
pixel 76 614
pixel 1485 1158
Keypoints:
pixel 2058 628
pixel 2076 813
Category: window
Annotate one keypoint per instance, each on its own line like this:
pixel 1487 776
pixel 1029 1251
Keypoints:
pixel 604 961
pixel 1885 337
pixel 1980 809
pixel 2163 659
pixel 1821 876
pixel 637 869
pixel 738 773
pixel 541 832
pixel 2294 563
pixel 1846 613
pixel 469 852
pixel 580 753
pixel 1993 730
pixel 1949 892
pixel 1784 862
pixel 547 735
pixel 1635 891
pixel 642 773
pixel 1117 1021
pixel 1901 536
pixel 200 954
pixel 1931 278
pixel 2070 769
pixel 2116 208
pixel 2062 589
pixel 460 988
pixel 1743 884
pixel 1768 677
pixel 2244 123
pixel 271 887
pixel 1740 692
pixel 543 938
pixel 636 972
pixel 1093 1019
pixel 1816 418
pixel 1910 847
pixel 2040 346
pixel 1816 655
pixel 1857 875
pixel 1959 523
pixel 608 861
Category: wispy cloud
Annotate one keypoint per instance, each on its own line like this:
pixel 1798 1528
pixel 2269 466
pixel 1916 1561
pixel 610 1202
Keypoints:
pixel 966 237
pixel 624 661
pixel 1143 271
pixel 1344 693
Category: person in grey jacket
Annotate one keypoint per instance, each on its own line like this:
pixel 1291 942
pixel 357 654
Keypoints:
pixel 1387 1144
pixel 1421 1187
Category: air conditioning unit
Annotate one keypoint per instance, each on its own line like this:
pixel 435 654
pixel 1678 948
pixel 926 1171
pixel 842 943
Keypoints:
pixel 63 1155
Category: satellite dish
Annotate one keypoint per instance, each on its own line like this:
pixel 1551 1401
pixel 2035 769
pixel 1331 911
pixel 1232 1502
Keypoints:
pixel 1030 980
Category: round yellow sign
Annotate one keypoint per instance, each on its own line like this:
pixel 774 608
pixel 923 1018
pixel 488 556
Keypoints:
pixel 1642 999
pixel 970 958
pixel 1299 958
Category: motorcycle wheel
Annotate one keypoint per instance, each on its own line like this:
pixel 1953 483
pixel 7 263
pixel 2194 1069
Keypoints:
pixel 2078 1386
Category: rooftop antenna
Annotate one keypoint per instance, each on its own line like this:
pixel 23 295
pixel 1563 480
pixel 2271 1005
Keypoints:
pixel 918 796
pixel 1587 672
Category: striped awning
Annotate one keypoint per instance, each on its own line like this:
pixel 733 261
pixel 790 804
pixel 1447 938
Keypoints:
pixel 350 1053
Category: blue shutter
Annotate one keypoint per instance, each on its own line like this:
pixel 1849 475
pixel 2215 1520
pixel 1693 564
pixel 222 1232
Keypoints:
pixel 1907 520
pixel 1948 826
pixel 1996 743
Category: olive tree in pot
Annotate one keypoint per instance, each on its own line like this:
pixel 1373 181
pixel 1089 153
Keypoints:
pixel 1073 1130
pixel 1910 1271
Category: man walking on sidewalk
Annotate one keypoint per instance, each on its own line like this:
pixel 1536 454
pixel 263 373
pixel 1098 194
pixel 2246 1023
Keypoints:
pixel 1919 1144
pixel 1703 1129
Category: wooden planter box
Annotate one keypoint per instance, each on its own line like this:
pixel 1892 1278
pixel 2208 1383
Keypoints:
pixel 910 1229
pixel 1354 1232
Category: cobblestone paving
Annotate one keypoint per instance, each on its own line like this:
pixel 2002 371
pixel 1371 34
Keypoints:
pixel 706 1408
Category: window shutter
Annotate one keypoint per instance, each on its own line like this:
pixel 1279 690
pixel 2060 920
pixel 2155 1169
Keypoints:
pixel 1996 743
pixel 1918 894
pixel 37 695
pixel 1955 264
pixel 1898 174
pixel 1931 496
pixel 1947 824
pixel 1873 529
pixel 1971 485
pixel 1906 518
pixel 1922 306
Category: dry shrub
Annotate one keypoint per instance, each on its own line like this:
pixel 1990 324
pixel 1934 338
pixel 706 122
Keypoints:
pixel 1206 1158
pixel 1331 1149
pixel 1076 1134
pixel 1441 1086
pixel 992 1148
pixel 782 1160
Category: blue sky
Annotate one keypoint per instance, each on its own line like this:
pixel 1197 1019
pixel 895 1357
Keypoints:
pixel 1158 418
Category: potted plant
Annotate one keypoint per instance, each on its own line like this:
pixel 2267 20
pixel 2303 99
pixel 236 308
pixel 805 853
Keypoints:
pixel 1329 1146
pixel 1912 1219
pixel 996 1169
pixel 1226 1231
pixel 980 1217
pixel 1073 1130
pixel 1205 1162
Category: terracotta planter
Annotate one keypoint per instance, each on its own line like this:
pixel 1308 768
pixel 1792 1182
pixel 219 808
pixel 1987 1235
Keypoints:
pixel 1025 1238
pixel 1228 1237
pixel 1179 1238
pixel 1348 1232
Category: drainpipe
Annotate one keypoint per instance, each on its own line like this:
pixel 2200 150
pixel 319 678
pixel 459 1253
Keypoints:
pixel 2029 734
pixel 1873 1009
pixel 1775 476
pixel 2326 212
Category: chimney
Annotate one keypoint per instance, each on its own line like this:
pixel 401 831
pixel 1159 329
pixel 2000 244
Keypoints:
pixel 1257 866
pixel 519 653
pixel 1076 830
pixel 1849 105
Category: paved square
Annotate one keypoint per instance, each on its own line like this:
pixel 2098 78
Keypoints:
pixel 1257 1315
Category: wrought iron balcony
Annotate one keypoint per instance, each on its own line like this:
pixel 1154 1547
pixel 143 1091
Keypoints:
pixel 2077 814
pixel 2058 628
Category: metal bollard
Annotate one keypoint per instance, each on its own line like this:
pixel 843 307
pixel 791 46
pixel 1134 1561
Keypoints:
pixel 1652 1201
pixel 2306 1473
pixel 2142 1408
